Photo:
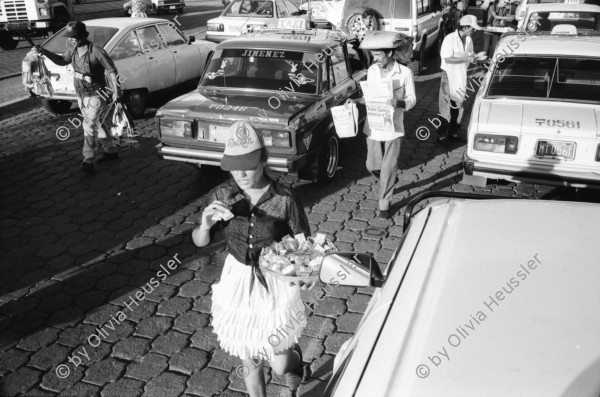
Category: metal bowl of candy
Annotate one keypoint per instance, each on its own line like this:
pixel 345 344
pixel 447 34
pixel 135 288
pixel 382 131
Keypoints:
pixel 296 258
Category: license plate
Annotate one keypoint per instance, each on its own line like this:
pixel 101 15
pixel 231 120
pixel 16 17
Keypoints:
pixel 172 7
pixel 555 150
pixel 217 133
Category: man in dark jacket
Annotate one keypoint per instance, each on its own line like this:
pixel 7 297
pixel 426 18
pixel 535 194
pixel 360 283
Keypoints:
pixel 90 63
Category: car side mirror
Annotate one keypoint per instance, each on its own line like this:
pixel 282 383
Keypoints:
pixel 351 269
pixel 191 39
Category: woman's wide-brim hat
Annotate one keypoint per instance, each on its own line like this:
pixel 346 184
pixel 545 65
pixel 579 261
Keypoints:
pixel 243 148
pixel 381 40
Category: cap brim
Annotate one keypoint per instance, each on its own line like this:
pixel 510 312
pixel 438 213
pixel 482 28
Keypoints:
pixel 243 162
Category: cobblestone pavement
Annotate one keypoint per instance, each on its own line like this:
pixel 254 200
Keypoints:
pixel 77 249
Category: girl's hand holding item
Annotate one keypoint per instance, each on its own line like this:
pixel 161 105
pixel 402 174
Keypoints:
pixel 214 212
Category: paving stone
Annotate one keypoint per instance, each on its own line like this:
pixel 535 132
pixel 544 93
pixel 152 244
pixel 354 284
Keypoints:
pixel 112 282
pixel 38 339
pixel 81 389
pixel 322 367
pixel 355 224
pixel 319 327
pixel 105 371
pixel 170 343
pixel 153 326
pixel 189 361
pixel 39 392
pixel 209 274
pixel 367 246
pixel 313 387
pixel 190 322
pixel 335 341
pixel 348 322
pixel 49 357
pixel 174 307
pixel 203 304
pixel 358 303
pixel 194 289
pixel 207 382
pixel 12 359
pixel 161 293
pixel 91 299
pixel 197 263
pixel 311 348
pixel 19 381
pixel 149 367
pixel 102 315
pixel 123 387
pixel 223 361
pixel 165 385
pixel 205 339
pixel 131 349
pixel 330 307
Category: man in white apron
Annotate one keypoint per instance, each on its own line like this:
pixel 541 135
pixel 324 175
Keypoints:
pixel 456 54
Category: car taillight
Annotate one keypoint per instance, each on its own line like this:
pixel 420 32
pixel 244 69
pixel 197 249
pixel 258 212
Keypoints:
pixel 276 138
pixel 215 27
pixel 496 143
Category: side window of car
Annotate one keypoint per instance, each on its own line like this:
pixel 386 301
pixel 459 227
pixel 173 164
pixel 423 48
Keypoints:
pixel 282 10
pixel 325 75
pixel 128 46
pixel 356 59
pixel 150 39
pixel 291 6
pixel 422 7
pixel 170 35
pixel 338 64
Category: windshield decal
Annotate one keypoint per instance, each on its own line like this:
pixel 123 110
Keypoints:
pixel 216 74
pixel 300 79
pixel 264 54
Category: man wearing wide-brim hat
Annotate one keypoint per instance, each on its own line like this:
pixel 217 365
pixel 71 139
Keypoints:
pixel 90 63
pixel 389 50
pixel 456 55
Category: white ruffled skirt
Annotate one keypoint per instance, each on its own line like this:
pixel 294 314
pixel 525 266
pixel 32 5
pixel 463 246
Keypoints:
pixel 257 325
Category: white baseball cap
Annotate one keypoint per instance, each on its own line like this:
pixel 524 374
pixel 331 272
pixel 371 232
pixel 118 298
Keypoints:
pixel 470 20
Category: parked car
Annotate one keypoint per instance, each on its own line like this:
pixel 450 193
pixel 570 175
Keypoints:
pixel 242 16
pixel 493 297
pixel 284 84
pixel 151 55
pixel 521 10
pixel 542 18
pixel 535 118
pixel 421 20
pixel 165 6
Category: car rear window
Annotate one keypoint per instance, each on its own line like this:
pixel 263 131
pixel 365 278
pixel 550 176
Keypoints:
pixel 246 8
pixel 289 71
pixel 571 79
pixel 99 35
pixel 585 22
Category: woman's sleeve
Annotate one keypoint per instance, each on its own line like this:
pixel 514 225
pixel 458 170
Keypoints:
pixel 297 219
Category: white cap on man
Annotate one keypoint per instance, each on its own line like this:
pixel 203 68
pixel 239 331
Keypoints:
pixel 470 20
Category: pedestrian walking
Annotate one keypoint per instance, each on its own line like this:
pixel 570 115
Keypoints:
pixel 498 15
pixel 250 309
pixel 456 55
pixel 90 64
pixel 137 8
pixel 389 51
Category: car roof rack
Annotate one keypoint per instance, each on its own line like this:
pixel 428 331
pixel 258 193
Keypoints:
pixel 408 211
pixel 325 33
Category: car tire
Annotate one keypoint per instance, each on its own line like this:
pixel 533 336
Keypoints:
pixel 180 11
pixel 416 65
pixel 54 106
pixel 351 23
pixel 136 101
pixel 328 160
pixel 7 42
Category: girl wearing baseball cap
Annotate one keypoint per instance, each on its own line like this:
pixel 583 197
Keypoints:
pixel 255 316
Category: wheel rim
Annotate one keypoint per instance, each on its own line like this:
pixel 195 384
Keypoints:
pixel 354 25
pixel 135 102
pixel 332 157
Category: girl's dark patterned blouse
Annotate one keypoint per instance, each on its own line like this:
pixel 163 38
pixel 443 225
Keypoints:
pixel 277 213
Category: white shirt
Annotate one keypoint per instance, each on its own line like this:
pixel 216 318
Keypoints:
pixel 404 90
pixel 452 46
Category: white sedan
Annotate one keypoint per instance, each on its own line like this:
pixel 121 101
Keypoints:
pixel 151 55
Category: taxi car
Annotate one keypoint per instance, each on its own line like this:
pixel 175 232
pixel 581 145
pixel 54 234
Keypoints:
pixel 242 16
pixel 151 55
pixel 494 297
pixel 536 115
pixel 284 83
pixel 542 18
pixel 521 11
